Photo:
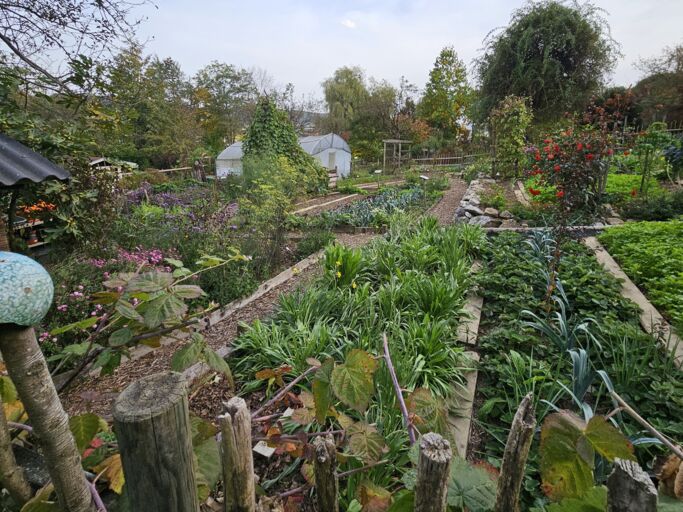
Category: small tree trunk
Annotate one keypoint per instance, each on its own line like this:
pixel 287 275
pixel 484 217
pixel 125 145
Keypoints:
pixel 12 476
pixel 28 370
pixel 433 471
pixel 152 424
pixel 325 466
pixel 238 462
pixel 629 489
pixel 516 453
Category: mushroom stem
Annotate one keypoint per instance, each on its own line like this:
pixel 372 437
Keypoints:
pixel 28 370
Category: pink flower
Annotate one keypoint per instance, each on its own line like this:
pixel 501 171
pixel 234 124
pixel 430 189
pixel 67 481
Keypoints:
pixel 62 307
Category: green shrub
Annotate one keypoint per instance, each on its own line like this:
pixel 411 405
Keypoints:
pixel 664 207
pixel 494 198
pixel 621 188
pixel 313 241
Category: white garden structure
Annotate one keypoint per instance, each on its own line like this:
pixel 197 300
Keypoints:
pixel 330 150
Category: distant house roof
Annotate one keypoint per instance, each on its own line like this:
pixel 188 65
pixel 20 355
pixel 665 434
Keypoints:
pixel 20 164
pixel 312 145
pixel 103 161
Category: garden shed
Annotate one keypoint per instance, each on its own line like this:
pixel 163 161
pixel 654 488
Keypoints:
pixel 330 150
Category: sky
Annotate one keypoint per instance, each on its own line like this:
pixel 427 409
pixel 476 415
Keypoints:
pixel 303 42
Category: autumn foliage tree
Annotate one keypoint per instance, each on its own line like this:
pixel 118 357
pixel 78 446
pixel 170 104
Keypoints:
pixel 447 95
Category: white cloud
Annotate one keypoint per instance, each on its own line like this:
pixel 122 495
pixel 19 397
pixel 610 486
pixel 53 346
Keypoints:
pixel 348 23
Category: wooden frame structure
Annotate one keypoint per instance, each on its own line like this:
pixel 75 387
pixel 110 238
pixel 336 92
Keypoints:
pixel 397 146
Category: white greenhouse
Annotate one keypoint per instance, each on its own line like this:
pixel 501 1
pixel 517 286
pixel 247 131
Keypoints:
pixel 330 150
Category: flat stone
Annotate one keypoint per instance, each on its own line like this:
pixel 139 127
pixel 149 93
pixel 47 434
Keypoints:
pixel 460 212
pixel 505 214
pixel 614 221
pixel 484 221
pixel 509 223
pixel 474 210
pixel 491 212
pixel 599 225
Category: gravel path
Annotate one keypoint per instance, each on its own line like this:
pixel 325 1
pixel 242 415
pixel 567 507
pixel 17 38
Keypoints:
pixel 444 210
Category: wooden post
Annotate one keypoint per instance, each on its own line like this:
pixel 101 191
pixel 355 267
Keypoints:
pixel 514 459
pixel 325 467
pixel 152 424
pixel 28 370
pixel 629 489
pixel 433 470
pixel 237 458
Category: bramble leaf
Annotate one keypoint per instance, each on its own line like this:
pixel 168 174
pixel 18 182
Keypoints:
pixel 322 391
pixel 352 381
pixel 470 487
pixel 365 442
pixel 84 427
pixel 373 497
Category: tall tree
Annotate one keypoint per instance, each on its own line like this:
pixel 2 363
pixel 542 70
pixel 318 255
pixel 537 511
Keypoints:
pixel 373 120
pixel 78 34
pixel 344 92
pixel 225 97
pixel 447 94
pixel 660 93
pixel 557 54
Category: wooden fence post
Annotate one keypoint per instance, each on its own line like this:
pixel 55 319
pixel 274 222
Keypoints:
pixel 325 470
pixel 516 452
pixel 237 458
pixel 629 489
pixel 433 471
pixel 152 424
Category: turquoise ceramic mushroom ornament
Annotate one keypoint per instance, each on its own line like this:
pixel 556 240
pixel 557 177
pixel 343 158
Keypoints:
pixel 26 290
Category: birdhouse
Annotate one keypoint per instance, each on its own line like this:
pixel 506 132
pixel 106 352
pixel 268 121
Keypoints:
pixel 26 290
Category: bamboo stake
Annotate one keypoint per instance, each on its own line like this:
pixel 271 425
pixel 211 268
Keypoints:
pixel 397 389
pixel 676 450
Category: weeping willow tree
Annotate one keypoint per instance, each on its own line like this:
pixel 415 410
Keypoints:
pixel 558 54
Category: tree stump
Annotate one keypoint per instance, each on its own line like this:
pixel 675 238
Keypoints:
pixel 514 459
pixel 152 424
pixel 28 370
pixel 324 468
pixel 237 458
pixel 629 489
pixel 433 471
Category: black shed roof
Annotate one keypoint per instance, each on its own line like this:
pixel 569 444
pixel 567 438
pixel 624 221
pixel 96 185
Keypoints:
pixel 19 164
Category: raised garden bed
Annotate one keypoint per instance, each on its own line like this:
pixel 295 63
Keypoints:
pixel 518 356
pixel 651 254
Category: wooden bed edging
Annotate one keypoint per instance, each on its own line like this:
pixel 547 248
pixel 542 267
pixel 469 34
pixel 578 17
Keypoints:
pixel 651 319
pixel 461 411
